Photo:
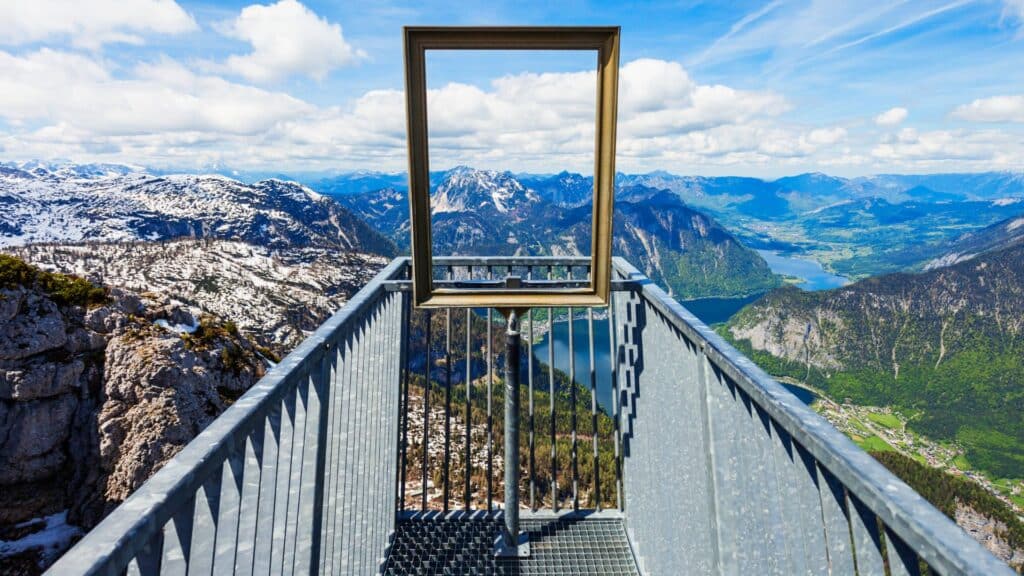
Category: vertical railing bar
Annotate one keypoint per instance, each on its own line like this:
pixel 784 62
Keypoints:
pixel 404 414
pixel 371 418
pixel 376 419
pixel 295 483
pixel 705 374
pixel 149 560
pixel 253 465
pixel 593 407
pixel 380 508
pixel 529 377
pixel 572 401
pixel 177 539
pixel 327 526
pixel 867 542
pixel 342 363
pixel 551 398
pixel 394 380
pixel 343 469
pixel 447 399
pixel 364 391
pixel 490 412
pixel 315 512
pixel 468 464
pixel 351 462
pixel 381 511
pixel 613 360
pixel 426 410
pixel 354 476
pixel 903 560
pixel 380 466
pixel 287 444
pixel 269 460
pixel 229 507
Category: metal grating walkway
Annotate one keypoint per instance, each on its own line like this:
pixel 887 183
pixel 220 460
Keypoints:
pixel 461 544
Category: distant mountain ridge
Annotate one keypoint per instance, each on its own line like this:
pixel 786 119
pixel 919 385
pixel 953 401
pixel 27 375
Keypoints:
pixel 75 205
pixel 788 195
pixel 489 212
pixel 1004 234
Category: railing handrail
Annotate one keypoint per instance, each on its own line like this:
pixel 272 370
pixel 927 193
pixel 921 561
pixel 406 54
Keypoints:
pixel 510 261
pixel 113 543
pixel 934 537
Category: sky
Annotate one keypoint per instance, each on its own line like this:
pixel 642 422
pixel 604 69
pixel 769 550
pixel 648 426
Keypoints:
pixel 714 88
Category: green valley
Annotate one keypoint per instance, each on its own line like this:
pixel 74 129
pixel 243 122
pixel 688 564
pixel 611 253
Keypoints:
pixel 944 347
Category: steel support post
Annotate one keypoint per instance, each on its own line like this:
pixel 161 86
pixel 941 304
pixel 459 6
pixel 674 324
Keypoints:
pixel 511 542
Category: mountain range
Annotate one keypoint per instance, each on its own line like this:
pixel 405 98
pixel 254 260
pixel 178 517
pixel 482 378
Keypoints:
pixel 745 196
pixel 273 256
pixel 497 213
pixel 76 204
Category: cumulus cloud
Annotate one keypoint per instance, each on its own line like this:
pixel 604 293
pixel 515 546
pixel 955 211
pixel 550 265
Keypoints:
pixel 994 109
pixel 92 23
pixel 891 117
pixel 287 39
pixel 161 96
pixel 528 117
pixel 934 149
pixel 161 113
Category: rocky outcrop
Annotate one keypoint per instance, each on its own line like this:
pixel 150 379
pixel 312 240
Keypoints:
pixel 990 533
pixel 96 396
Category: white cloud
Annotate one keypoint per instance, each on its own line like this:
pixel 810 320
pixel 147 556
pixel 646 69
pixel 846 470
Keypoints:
pixel 891 117
pixel 994 109
pixel 287 39
pixel 159 97
pixel 935 149
pixel 91 23
pixel 826 136
pixel 1013 10
pixel 164 114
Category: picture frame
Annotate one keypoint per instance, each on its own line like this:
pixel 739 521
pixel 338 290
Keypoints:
pixel 605 42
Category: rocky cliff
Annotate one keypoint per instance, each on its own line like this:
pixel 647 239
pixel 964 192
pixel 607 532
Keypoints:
pixel 98 389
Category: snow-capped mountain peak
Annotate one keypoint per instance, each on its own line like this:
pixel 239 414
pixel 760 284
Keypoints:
pixel 469 189
pixel 60 206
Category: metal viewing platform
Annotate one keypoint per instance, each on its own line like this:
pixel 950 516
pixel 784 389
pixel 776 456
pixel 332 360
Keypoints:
pixel 375 447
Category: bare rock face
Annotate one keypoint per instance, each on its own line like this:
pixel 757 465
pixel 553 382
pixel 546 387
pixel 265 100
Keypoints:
pixel 160 392
pixel 990 533
pixel 32 325
pixel 96 398
pixel 39 396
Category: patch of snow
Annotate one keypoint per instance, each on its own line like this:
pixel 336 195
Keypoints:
pixel 1006 201
pixel 947 260
pixel 51 541
pixel 1015 224
pixel 176 328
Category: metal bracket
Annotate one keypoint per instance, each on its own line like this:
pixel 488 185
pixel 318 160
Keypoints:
pixel 520 550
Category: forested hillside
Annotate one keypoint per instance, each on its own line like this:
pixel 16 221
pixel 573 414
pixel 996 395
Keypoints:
pixel 946 346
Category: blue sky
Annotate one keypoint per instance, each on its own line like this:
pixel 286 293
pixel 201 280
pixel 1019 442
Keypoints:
pixel 748 88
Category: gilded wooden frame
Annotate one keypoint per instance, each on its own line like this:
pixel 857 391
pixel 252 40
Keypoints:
pixel 603 40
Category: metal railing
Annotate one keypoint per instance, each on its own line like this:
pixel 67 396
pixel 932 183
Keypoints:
pixel 727 472
pixel 472 366
pixel 298 476
pixel 714 467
